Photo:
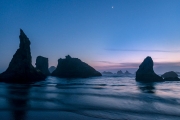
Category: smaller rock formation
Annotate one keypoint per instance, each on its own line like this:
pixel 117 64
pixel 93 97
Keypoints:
pixel 20 69
pixel 51 69
pixel 74 68
pixel 170 76
pixel 120 72
pixel 127 73
pixel 42 65
pixel 145 73
pixel 107 73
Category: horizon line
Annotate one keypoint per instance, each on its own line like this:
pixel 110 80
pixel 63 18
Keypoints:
pixel 140 50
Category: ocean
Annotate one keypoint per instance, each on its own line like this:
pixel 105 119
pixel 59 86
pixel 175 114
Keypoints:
pixel 96 98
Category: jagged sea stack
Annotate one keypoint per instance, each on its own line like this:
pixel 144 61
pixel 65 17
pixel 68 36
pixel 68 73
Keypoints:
pixel 120 72
pixel 127 73
pixel 145 73
pixel 74 68
pixel 20 69
pixel 42 65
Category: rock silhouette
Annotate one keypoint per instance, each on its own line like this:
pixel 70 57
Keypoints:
pixel 145 73
pixel 120 72
pixel 51 69
pixel 42 65
pixel 170 76
pixel 20 69
pixel 74 68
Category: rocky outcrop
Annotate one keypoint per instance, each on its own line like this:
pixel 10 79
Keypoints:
pixel 42 65
pixel 145 73
pixel 127 73
pixel 74 68
pixel 51 69
pixel 20 69
pixel 170 76
pixel 108 73
pixel 120 72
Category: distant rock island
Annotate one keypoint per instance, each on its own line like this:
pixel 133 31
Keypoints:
pixel 42 65
pixel 74 68
pixel 51 69
pixel 108 73
pixel 120 72
pixel 127 73
pixel 20 69
pixel 145 73
pixel 170 76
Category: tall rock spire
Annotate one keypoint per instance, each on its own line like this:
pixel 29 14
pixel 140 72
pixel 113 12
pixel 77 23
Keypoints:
pixel 145 73
pixel 20 68
pixel 22 58
pixel 24 41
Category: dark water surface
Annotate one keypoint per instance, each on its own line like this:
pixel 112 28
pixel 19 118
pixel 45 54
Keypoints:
pixel 100 98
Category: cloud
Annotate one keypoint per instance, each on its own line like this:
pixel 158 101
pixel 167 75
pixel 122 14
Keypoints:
pixel 138 50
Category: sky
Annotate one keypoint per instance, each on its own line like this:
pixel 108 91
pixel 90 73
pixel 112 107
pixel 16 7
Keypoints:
pixel 109 35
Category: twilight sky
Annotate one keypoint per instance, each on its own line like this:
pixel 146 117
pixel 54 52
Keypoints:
pixel 107 34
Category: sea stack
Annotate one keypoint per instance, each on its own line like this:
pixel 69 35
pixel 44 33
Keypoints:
pixel 51 69
pixel 74 68
pixel 42 65
pixel 119 72
pixel 145 73
pixel 20 68
pixel 170 76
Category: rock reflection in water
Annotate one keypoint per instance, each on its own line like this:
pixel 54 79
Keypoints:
pixel 99 98
pixel 146 87
pixel 18 100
